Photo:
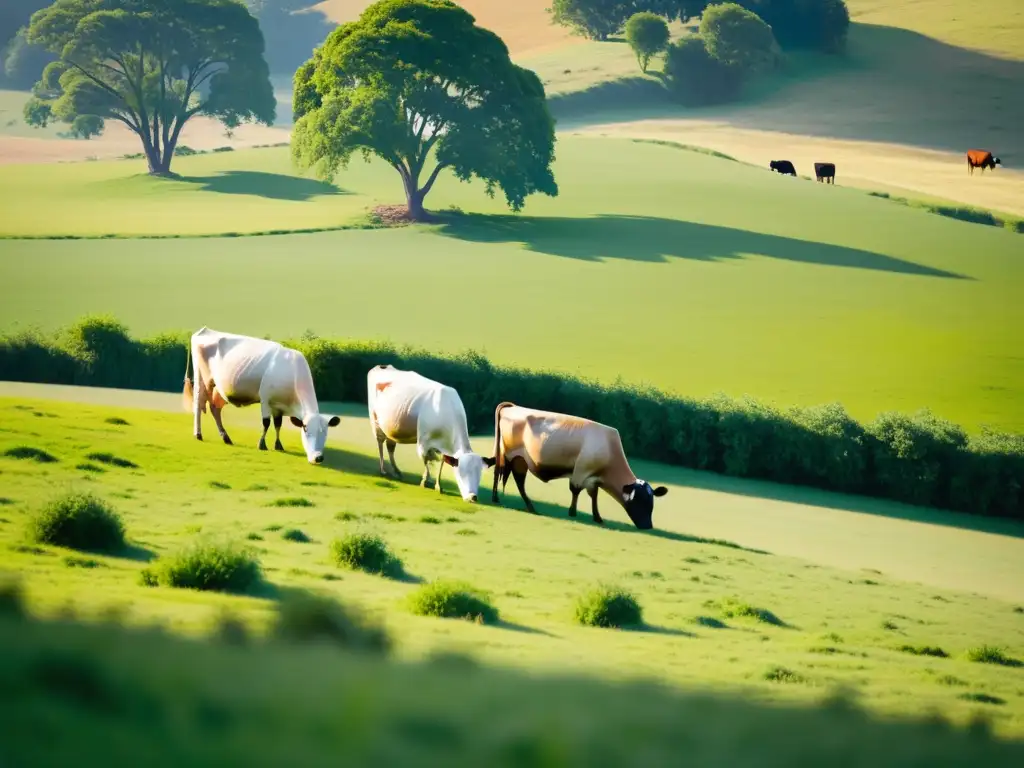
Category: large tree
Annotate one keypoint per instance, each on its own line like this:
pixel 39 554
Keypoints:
pixel 152 65
pixel 414 82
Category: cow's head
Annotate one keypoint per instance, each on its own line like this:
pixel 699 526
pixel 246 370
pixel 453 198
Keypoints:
pixel 638 499
pixel 468 469
pixel 996 161
pixel 314 434
pixel 774 165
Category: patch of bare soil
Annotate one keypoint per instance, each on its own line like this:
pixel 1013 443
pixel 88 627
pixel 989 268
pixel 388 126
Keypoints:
pixel 391 215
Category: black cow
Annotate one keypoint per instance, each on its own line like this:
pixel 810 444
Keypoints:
pixel 825 172
pixel 782 166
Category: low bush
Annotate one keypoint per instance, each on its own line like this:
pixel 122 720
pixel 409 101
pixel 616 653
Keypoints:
pixel 366 552
pixel 607 606
pixel 925 650
pixel 294 534
pixel 917 458
pixel 733 608
pixel 207 566
pixel 113 461
pixel 307 617
pixel 29 453
pixel 78 521
pixel 453 600
pixel 697 78
pixel 988 654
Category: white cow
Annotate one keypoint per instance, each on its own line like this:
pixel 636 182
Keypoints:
pixel 242 370
pixel 406 407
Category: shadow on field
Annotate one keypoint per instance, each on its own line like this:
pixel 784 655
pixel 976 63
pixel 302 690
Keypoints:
pixel 513 503
pixel 138 553
pixel 275 186
pixel 652 239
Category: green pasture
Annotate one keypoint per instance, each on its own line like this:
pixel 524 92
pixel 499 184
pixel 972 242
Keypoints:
pixel 835 627
pixel 674 268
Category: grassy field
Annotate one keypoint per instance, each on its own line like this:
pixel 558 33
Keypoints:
pixel 688 271
pixel 834 627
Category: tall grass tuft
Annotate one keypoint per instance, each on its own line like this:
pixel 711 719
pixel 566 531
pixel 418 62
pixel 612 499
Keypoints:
pixel 366 552
pixel 304 617
pixel 209 566
pixel 78 521
pixel 453 600
pixel 608 606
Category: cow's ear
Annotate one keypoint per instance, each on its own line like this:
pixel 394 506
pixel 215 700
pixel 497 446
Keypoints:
pixel 451 461
pixel 297 422
pixel 661 490
pixel 335 421
pixel 490 461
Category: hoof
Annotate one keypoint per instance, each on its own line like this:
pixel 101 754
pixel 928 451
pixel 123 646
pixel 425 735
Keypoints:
pixel 278 446
pixel 199 438
pixel 262 446
pixel 572 513
pixel 227 440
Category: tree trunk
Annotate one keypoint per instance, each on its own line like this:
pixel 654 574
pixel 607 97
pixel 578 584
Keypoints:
pixel 414 199
pixel 160 161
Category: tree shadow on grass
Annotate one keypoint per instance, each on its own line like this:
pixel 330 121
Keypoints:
pixel 137 552
pixel 513 627
pixel 275 186
pixel 651 629
pixel 652 239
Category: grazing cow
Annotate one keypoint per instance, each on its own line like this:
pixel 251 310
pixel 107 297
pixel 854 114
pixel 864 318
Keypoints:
pixel 825 172
pixel 406 407
pixel 244 371
pixel 981 158
pixel 553 445
pixel 782 166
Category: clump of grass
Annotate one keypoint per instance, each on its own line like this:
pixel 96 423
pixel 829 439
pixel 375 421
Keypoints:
pixel 430 520
pixel 218 485
pixel 990 654
pixel 28 453
pixel 6 502
pixel 207 566
pixel 387 516
pixel 783 675
pixel 72 561
pixel 951 680
pixel 608 606
pixel 253 536
pixel 925 650
pixel 453 600
pixel 366 552
pixel 257 488
pixel 346 516
pixel 889 626
pixel 291 501
pixel 78 521
pixel 294 534
pixel 304 617
pixel 983 698
pixel 1018 609
pixel 112 460
pixel 28 549
pixel 733 608
pixel 466 532
pixel 193 529
pixel 273 528
pixel 116 421
pixel 88 466
pixel 711 622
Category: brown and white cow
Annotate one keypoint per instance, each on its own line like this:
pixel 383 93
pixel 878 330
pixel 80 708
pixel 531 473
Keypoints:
pixel 243 370
pixel 553 445
pixel 981 158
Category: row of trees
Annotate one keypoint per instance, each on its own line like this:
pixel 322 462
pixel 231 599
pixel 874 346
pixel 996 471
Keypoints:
pixel 811 24
pixel 413 82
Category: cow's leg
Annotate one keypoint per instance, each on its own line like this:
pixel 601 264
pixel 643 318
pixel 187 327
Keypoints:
pixel 391 455
pixel 593 505
pixel 519 470
pixel 575 491
pixel 437 480
pixel 217 403
pixel 278 421
pixel 425 456
pixel 198 405
pixel 265 413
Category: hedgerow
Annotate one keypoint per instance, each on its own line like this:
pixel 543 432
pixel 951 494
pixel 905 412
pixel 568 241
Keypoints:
pixel 914 458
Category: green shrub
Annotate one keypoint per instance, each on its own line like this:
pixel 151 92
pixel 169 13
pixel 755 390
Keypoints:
pixel 814 24
pixel 608 606
pixel 696 77
pixel 737 37
pixel 734 608
pixel 306 617
pixel 989 654
pixel 28 453
pixel 366 552
pixel 907 458
pixel 78 521
pixel 453 600
pixel 208 566
pixel 294 534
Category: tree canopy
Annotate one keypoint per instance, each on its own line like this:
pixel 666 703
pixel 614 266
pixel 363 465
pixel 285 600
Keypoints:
pixel 736 37
pixel 647 34
pixel 152 65
pixel 412 81
pixel 596 19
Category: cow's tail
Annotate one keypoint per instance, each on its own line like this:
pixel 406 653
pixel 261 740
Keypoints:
pixel 498 450
pixel 187 395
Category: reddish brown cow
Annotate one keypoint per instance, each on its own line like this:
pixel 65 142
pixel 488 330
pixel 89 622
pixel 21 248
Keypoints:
pixel 980 158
